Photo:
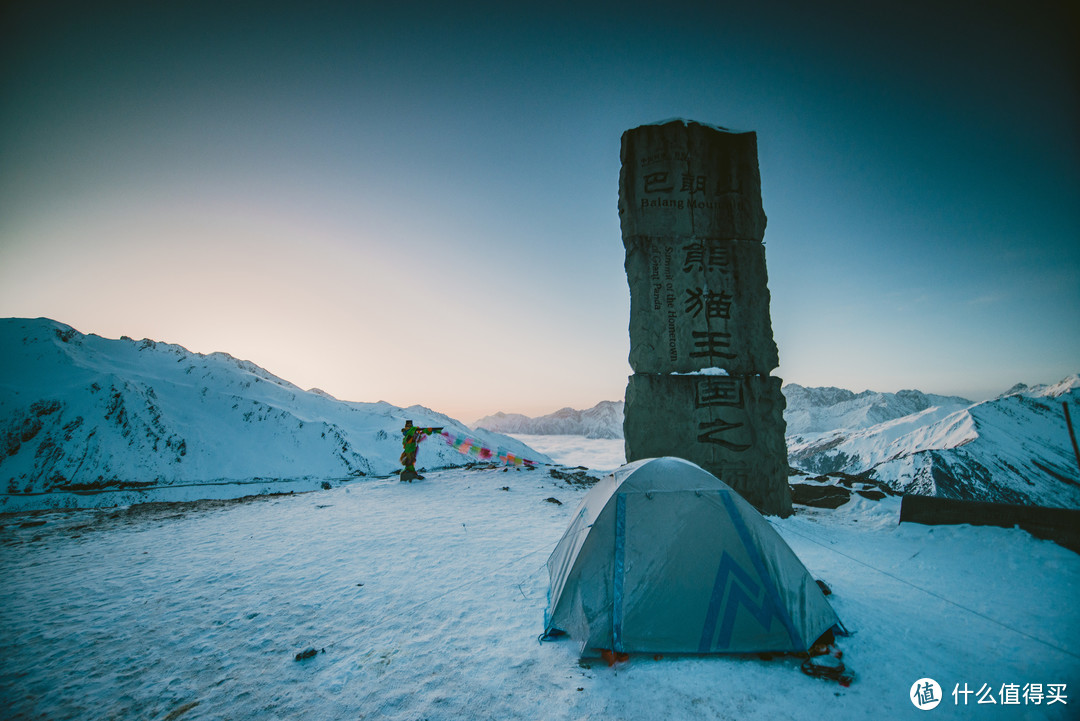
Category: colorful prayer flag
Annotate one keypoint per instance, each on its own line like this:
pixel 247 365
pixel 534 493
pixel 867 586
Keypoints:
pixel 469 446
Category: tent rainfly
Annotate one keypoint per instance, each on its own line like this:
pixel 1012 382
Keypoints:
pixel 663 557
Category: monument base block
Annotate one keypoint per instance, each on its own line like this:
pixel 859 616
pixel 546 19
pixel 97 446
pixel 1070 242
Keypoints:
pixel 732 426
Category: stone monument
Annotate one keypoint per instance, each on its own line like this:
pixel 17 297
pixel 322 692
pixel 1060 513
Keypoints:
pixel 701 344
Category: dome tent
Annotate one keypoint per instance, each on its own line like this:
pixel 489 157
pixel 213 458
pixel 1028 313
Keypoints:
pixel 663 557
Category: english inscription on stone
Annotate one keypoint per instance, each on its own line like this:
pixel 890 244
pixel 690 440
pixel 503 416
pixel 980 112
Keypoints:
pixel 690 180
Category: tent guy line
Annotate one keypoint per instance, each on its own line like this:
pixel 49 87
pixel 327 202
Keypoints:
pixel 938 596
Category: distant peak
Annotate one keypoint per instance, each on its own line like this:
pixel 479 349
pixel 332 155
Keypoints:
pixel 1017 388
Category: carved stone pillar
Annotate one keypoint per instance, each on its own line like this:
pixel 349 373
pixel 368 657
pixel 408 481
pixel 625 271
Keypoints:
pixel 692 225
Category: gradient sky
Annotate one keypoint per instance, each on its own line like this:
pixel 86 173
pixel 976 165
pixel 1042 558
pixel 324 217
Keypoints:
pixel 418 204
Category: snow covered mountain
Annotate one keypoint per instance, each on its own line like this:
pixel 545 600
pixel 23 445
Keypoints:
pixel 819 410
pixel 604 420
pixel 80 412
pixel 809 411
pixel 1012 449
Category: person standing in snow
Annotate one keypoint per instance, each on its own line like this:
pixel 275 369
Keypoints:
pixel 410 442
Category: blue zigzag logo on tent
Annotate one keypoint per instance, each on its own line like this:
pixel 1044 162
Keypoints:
pixel 763 612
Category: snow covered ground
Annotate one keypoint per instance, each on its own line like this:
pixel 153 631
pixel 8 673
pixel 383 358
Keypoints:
pixel 425 600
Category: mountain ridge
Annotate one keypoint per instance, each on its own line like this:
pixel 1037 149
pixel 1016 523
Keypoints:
pixel 1011 449
pixel 815 410
pixel 809 410
pixel 604 420
pixel 80 413
pixel 1014 448
pixel 84 413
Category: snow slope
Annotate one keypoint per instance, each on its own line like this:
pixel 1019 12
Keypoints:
pixel 424 601
pixel 1012 449
pixel 83 413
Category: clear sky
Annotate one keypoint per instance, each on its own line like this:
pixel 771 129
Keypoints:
pixel 418 203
